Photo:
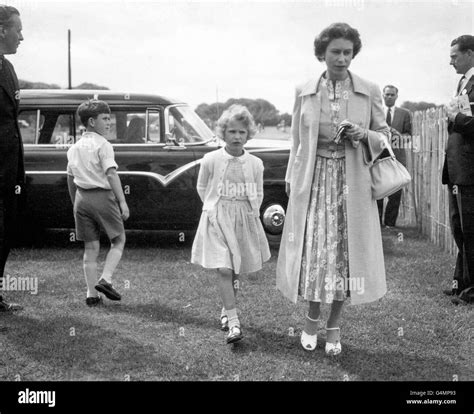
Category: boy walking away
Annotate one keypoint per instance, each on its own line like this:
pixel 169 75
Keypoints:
pixel 97 196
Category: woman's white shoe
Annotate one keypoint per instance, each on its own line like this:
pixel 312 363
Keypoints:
pixel 309 342
pixel 333 348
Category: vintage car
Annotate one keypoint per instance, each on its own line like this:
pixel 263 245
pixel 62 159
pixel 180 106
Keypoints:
pixel 158 144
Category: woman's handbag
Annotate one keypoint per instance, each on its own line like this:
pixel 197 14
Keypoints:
pixel 388 176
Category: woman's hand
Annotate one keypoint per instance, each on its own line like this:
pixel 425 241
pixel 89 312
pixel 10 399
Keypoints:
pixel 355 133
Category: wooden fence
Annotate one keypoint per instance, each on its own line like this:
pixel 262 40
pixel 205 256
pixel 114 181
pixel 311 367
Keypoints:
pixel 425 202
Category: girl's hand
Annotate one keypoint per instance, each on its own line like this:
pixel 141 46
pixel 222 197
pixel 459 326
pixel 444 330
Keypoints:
pixel 287 189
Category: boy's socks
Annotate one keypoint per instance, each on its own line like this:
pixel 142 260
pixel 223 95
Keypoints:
pixel 223 312
pixel 233 318
pixel 112 260
pixel 90 273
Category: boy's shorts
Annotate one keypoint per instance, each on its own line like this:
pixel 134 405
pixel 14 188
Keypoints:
pixel 94 209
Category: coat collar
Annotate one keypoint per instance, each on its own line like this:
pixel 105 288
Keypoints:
pixel 359 85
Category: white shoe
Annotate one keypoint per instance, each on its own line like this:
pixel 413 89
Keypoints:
pixel 309 342
pixel 333 348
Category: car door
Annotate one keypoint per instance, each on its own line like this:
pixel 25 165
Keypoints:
pixel 158 179
pixel 46 138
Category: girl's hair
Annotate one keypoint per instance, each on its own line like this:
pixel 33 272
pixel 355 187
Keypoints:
pixel 92 109
pixel 236 113
pixel 336 31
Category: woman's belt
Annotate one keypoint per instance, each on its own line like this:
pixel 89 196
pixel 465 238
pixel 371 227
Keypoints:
pixel 234 198
pixel 331 150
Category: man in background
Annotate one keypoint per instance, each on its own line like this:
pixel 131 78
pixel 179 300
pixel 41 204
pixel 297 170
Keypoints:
pixel 399 121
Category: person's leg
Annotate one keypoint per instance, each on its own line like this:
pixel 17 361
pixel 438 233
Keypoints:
pixel 309 337
pixel 456 229
pixel 466 207
pixel 226 290
pixel 380 207
pixel 333 335
pixel 391 210
pixel 114 255
pixel 333 332
pixel 312 318
pixel 91 252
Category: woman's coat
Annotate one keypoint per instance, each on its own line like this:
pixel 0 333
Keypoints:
pixel 366 263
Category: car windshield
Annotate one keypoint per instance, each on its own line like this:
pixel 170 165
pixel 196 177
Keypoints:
pixel 186 127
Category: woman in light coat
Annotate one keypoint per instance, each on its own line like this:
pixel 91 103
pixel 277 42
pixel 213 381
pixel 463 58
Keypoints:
pixel 331 247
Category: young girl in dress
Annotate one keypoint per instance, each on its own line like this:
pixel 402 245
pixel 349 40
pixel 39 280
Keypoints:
pixel 230 236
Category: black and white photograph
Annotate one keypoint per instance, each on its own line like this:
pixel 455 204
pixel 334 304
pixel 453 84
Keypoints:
pixel 256 192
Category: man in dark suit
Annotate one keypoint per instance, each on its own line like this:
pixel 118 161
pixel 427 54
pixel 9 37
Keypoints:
pixel 12 171
pixel 458 171
pixel 399 121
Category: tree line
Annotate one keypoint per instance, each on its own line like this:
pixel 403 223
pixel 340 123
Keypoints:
pixel 263 111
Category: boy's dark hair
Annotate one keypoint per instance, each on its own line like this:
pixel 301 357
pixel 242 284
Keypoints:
pixel 92 109
pixel 6 12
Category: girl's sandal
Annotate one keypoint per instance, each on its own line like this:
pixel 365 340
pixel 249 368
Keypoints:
pixel 224 323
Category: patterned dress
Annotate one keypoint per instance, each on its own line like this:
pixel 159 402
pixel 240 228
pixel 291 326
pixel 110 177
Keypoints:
pixel 325 264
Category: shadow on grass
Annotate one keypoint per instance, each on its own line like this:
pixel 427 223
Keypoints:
pixel 365 364
pixel 92 353
pixel 388 365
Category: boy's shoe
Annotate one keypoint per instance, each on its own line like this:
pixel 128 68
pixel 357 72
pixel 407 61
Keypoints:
pixel 94 301
pixel 235 334
pixel 108 290
pixel 9 307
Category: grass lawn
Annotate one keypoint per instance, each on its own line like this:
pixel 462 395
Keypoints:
pixel 166 326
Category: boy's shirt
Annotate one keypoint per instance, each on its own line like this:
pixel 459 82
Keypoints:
pixel 89 159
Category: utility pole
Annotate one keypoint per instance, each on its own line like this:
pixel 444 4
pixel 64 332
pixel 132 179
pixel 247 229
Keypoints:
pixel 69 58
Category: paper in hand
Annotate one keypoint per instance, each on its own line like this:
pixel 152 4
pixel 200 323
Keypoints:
pixel 464 105
pixel 461 104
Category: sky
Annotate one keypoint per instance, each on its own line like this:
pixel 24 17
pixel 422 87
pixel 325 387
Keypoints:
pixel 202 51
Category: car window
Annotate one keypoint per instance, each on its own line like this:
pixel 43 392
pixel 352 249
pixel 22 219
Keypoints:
pixel 130 126
pixel 154 129
pixel 134 124
pixel 29 126
pixel 185 126
pixel 64 130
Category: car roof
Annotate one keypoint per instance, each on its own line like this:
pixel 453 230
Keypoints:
pixel 75 97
